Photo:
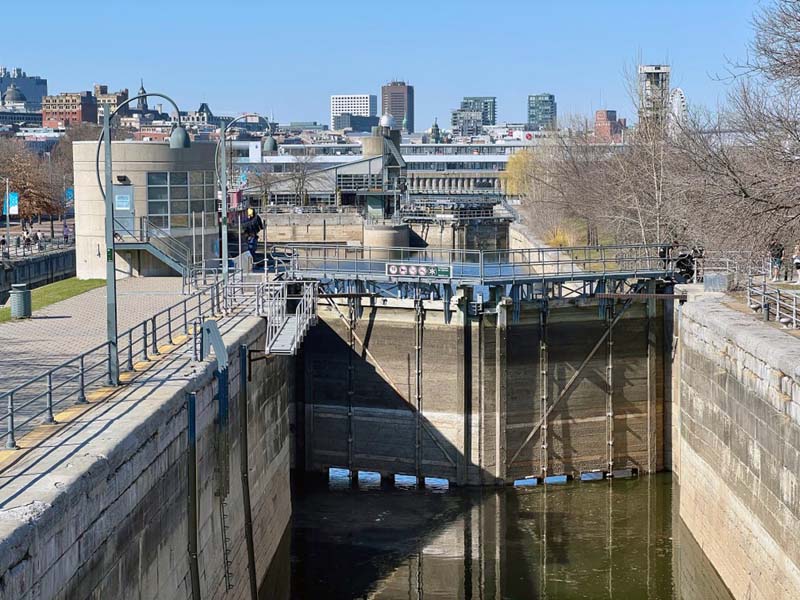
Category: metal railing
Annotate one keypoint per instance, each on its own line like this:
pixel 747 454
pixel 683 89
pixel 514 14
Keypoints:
pixel 773 302
pixel 272 305
pixel 19 248
pixel 147 233
pixel 475 266
pixel 35 400
pixel 306 314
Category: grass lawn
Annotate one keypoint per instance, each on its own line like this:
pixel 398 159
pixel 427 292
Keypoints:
pixel 55 292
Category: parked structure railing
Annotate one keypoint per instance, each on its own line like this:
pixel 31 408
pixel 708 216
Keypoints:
pixel 35 400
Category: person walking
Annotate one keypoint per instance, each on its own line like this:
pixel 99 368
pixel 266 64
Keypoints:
pixel 66 233
pixel 796 263
pixel 776 252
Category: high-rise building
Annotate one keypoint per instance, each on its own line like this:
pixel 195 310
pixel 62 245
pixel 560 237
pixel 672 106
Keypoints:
pixel 542 112
pixel 653 89
pixel 466 122
pixel 354 122
pixel 607 127
pixel 397 99
pixel 34 88
pixel 486 105
pixel 359 105
pixel 67 109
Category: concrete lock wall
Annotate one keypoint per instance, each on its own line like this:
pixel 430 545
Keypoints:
pixel 118 529
pixel 480 393
pixel 310 228
pixel 473 236
pixel 36 270
pixel 739 452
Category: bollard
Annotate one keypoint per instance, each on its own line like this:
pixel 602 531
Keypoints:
pixel 11 443
pixel 144 340
pixel 169 325
pixel 154 349
pixel 130 350
pixel 765 310
pixel 82 389
pixel 50 418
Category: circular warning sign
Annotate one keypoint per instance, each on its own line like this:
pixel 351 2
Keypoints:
pixel 392 269
pixel 403 270
pixel 412 270
pixel 423 271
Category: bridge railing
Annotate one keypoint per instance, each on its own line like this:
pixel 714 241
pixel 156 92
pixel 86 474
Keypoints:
pixel 272 304
pixel 773 302
pixel 36 400
pixel 475 265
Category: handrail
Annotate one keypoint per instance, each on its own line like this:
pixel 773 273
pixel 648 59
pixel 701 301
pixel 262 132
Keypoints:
pixel 39 395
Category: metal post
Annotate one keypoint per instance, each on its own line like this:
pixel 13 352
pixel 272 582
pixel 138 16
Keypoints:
pixel 82 388
pixel 350 392
pixel 154 347
pixel 50 418
pixel 543 389
pixel 144 339
pixel 418 324
pixel 11 443
pixel 8 219
pixel 169 324
pixel 111 276
pixel 191 496
pixel 130 350
pixel 185 319
pixel 244 448
pixel 610 393
pixel 223 186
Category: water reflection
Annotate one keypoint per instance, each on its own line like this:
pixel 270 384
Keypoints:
pixel 581 540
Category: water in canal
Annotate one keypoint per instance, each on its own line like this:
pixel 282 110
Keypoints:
pixel 603 539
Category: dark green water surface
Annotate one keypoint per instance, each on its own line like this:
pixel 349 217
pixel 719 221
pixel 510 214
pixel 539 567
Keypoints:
pixel 607 539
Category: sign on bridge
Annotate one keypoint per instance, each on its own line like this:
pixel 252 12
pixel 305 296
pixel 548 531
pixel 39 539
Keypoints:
pixel 417 270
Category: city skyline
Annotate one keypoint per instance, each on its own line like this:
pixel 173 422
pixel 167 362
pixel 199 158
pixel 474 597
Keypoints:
pixel 513 59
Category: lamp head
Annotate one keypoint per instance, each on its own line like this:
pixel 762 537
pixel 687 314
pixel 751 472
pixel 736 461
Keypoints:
pixel 179 138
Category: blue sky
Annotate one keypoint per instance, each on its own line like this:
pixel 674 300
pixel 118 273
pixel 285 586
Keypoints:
pixel 289 57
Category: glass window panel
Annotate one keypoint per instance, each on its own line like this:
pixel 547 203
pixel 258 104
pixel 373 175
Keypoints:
pixel 157 208
pixel 158 221
pixel 196 177
pixel 197 205
pixel 178 193
pixel 197 192
pixel 209 177
pixel 179 207
pixel 211 191
pixel 179 178
pixel 179 221
pixel 156 179
pixel 211 206
pixel 157 193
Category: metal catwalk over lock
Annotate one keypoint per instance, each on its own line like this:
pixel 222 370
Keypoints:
pixel 520 274
pixel 272 299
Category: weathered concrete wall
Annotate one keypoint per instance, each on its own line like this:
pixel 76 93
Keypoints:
pixel 739 454
pixel 478 236
pixel 117 528
pixel 310 228
pixel 480 393
pixel 36 270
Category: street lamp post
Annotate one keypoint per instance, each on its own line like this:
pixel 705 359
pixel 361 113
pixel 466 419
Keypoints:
pixel 222 176
pixel 178 139
pixel 8 218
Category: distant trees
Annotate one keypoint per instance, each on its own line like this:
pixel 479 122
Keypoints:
pixel 32 177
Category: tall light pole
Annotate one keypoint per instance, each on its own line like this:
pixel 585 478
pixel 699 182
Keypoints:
pixel 178 139
pixel 8 218
pixel 222 175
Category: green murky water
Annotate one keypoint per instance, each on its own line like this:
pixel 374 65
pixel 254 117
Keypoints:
pixel 607 539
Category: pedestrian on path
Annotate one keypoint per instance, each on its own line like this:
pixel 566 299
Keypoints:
pixel 776 252
pixel 796 263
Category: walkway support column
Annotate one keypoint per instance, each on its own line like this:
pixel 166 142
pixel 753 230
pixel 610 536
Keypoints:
pixel 543 389
pixel 465 384
pixel 652 354
pixel 610 388
pixel 419 320
pixel 501 387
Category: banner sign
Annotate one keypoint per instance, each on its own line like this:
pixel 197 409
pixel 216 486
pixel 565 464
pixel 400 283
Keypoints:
pixel 13 203
pixel 416 270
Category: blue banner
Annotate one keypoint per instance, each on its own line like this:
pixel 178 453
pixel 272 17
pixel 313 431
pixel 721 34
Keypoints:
pixel 12 203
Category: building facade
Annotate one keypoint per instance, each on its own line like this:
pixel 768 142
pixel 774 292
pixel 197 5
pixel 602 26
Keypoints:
pixel 653 89
pixel 397 99
pixel 104 98
pixel 354 122
pixel 607 127
pixel 359 105
pixel 68 109
pixel 486 105
pixel 542 112
pixel 34 88
pixel 465 122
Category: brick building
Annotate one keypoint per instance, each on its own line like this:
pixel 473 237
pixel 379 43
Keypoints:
pixel 103 97
pixel 608 128
pixel 68 109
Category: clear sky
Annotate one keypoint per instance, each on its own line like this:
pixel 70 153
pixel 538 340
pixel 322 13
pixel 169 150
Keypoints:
pixel 290 56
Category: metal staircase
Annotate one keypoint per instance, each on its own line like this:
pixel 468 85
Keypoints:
pixel 285 331
pixel 144 235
